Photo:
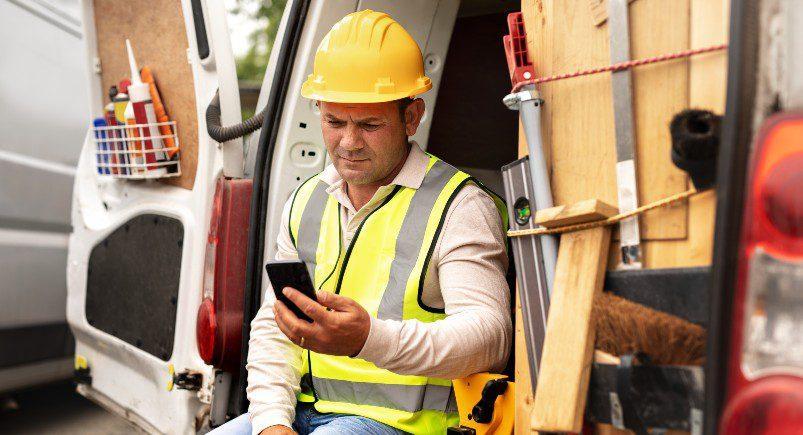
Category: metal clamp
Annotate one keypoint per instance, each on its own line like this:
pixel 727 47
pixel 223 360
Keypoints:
pixel 513 101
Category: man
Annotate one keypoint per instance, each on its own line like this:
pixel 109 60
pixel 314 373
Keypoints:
pixel 408 254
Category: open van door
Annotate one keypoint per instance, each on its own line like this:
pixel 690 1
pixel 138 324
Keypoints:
pixel 136 253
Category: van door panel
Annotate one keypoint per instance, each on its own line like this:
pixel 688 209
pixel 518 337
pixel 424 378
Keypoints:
pixel 133 282
pixel 136 253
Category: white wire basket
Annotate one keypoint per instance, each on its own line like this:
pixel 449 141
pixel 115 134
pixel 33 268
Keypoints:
pixel 137 150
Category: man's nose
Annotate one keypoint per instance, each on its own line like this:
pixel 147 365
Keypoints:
pixel 351 140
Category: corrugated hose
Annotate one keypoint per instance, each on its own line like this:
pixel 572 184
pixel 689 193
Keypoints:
pixel 224 134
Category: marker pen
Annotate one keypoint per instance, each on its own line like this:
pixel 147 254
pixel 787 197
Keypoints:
pixel 161 113
pixel 142 105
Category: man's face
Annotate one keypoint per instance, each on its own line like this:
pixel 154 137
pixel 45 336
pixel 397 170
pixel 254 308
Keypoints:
pixel 368 141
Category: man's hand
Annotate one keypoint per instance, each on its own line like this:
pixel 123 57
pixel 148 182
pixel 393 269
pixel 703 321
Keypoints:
pixel 278 430
pixel 339 330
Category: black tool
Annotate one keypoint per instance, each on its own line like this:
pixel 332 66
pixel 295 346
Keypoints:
pixel 695 144
pixel 483 411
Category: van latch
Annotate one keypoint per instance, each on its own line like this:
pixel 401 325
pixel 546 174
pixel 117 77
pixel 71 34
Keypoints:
pixel 188 380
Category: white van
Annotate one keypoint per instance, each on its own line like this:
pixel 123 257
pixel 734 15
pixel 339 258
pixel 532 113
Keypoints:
pixel 43 112
pixel 165 273
pixel 146 254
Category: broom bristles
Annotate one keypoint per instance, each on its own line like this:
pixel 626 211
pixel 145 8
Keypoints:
pixel 627 327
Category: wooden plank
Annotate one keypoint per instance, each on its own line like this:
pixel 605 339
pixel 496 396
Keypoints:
pixel 660 92
pixel 523 388
pixel 159 38
pixel 562 388
pixel 707 85
pixel 599 11
pixel 579 212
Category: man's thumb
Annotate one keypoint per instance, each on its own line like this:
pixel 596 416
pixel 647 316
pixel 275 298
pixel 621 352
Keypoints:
pixel 333 301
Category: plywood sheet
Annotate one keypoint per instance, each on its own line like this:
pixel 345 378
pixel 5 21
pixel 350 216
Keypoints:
pixel 707 85
pixel 159 38
pixel 578 114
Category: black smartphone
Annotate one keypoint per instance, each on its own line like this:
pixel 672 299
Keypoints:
pixel 290 273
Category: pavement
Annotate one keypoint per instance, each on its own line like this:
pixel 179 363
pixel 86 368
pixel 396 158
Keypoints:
pixel 57 409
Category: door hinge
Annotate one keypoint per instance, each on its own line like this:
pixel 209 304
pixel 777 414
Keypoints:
pixel 188 380
pixel 82 376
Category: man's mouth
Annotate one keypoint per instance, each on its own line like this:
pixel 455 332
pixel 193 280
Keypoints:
pixel 352 160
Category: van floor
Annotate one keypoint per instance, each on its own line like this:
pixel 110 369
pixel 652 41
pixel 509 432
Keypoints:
pixel 58 409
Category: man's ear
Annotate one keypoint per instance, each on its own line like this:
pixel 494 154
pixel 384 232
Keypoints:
pixel 412 116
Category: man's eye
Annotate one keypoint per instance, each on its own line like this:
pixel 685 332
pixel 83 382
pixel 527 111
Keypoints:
pixel 337 123
pixel 371 127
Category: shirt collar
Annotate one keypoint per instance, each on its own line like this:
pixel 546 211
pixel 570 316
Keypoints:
pixel 411 174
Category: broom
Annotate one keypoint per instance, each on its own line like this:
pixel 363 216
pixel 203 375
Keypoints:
pixel 625 327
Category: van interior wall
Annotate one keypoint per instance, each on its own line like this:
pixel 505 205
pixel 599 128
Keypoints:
pixel 159 38
pixel 471 128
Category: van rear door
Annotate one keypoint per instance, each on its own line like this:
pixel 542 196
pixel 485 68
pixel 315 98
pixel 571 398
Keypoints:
pixel 136 253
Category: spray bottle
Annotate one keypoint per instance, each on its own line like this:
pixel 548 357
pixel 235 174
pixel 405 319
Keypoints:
pixel 140 95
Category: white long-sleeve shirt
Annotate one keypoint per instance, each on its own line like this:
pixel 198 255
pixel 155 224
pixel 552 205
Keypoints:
pixel 466 277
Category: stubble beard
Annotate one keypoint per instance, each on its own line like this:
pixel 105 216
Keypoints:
pixel 374 174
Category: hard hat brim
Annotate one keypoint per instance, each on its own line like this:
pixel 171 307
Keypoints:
pixel 359 97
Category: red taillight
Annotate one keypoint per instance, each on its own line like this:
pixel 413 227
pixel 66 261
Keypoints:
pixel 765 360
pixel 771 406
pixel 782 198
pixel 205 330
pixel 220 316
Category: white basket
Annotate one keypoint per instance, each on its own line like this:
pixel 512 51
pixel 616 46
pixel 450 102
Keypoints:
pixel 137 150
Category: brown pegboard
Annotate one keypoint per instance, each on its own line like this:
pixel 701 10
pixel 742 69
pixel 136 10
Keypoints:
pixel 159 39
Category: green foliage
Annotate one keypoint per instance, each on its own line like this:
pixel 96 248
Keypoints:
pixel 251 66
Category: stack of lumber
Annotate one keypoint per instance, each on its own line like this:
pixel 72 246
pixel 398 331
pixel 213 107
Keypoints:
pixel 578 124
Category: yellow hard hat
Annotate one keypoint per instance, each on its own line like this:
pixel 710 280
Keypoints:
pixel 367 57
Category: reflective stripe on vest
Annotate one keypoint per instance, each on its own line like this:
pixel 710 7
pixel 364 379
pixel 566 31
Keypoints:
pixel 307 243
pixel 411 238
pixel 384 270
pixel 410 398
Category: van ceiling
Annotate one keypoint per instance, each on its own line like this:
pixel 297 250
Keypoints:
pixel 470 8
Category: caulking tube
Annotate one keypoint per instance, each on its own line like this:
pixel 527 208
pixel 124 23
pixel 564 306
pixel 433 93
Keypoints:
pixel 140 95
pixel 136 155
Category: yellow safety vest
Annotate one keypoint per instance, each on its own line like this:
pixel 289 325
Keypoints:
pixel 383 269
